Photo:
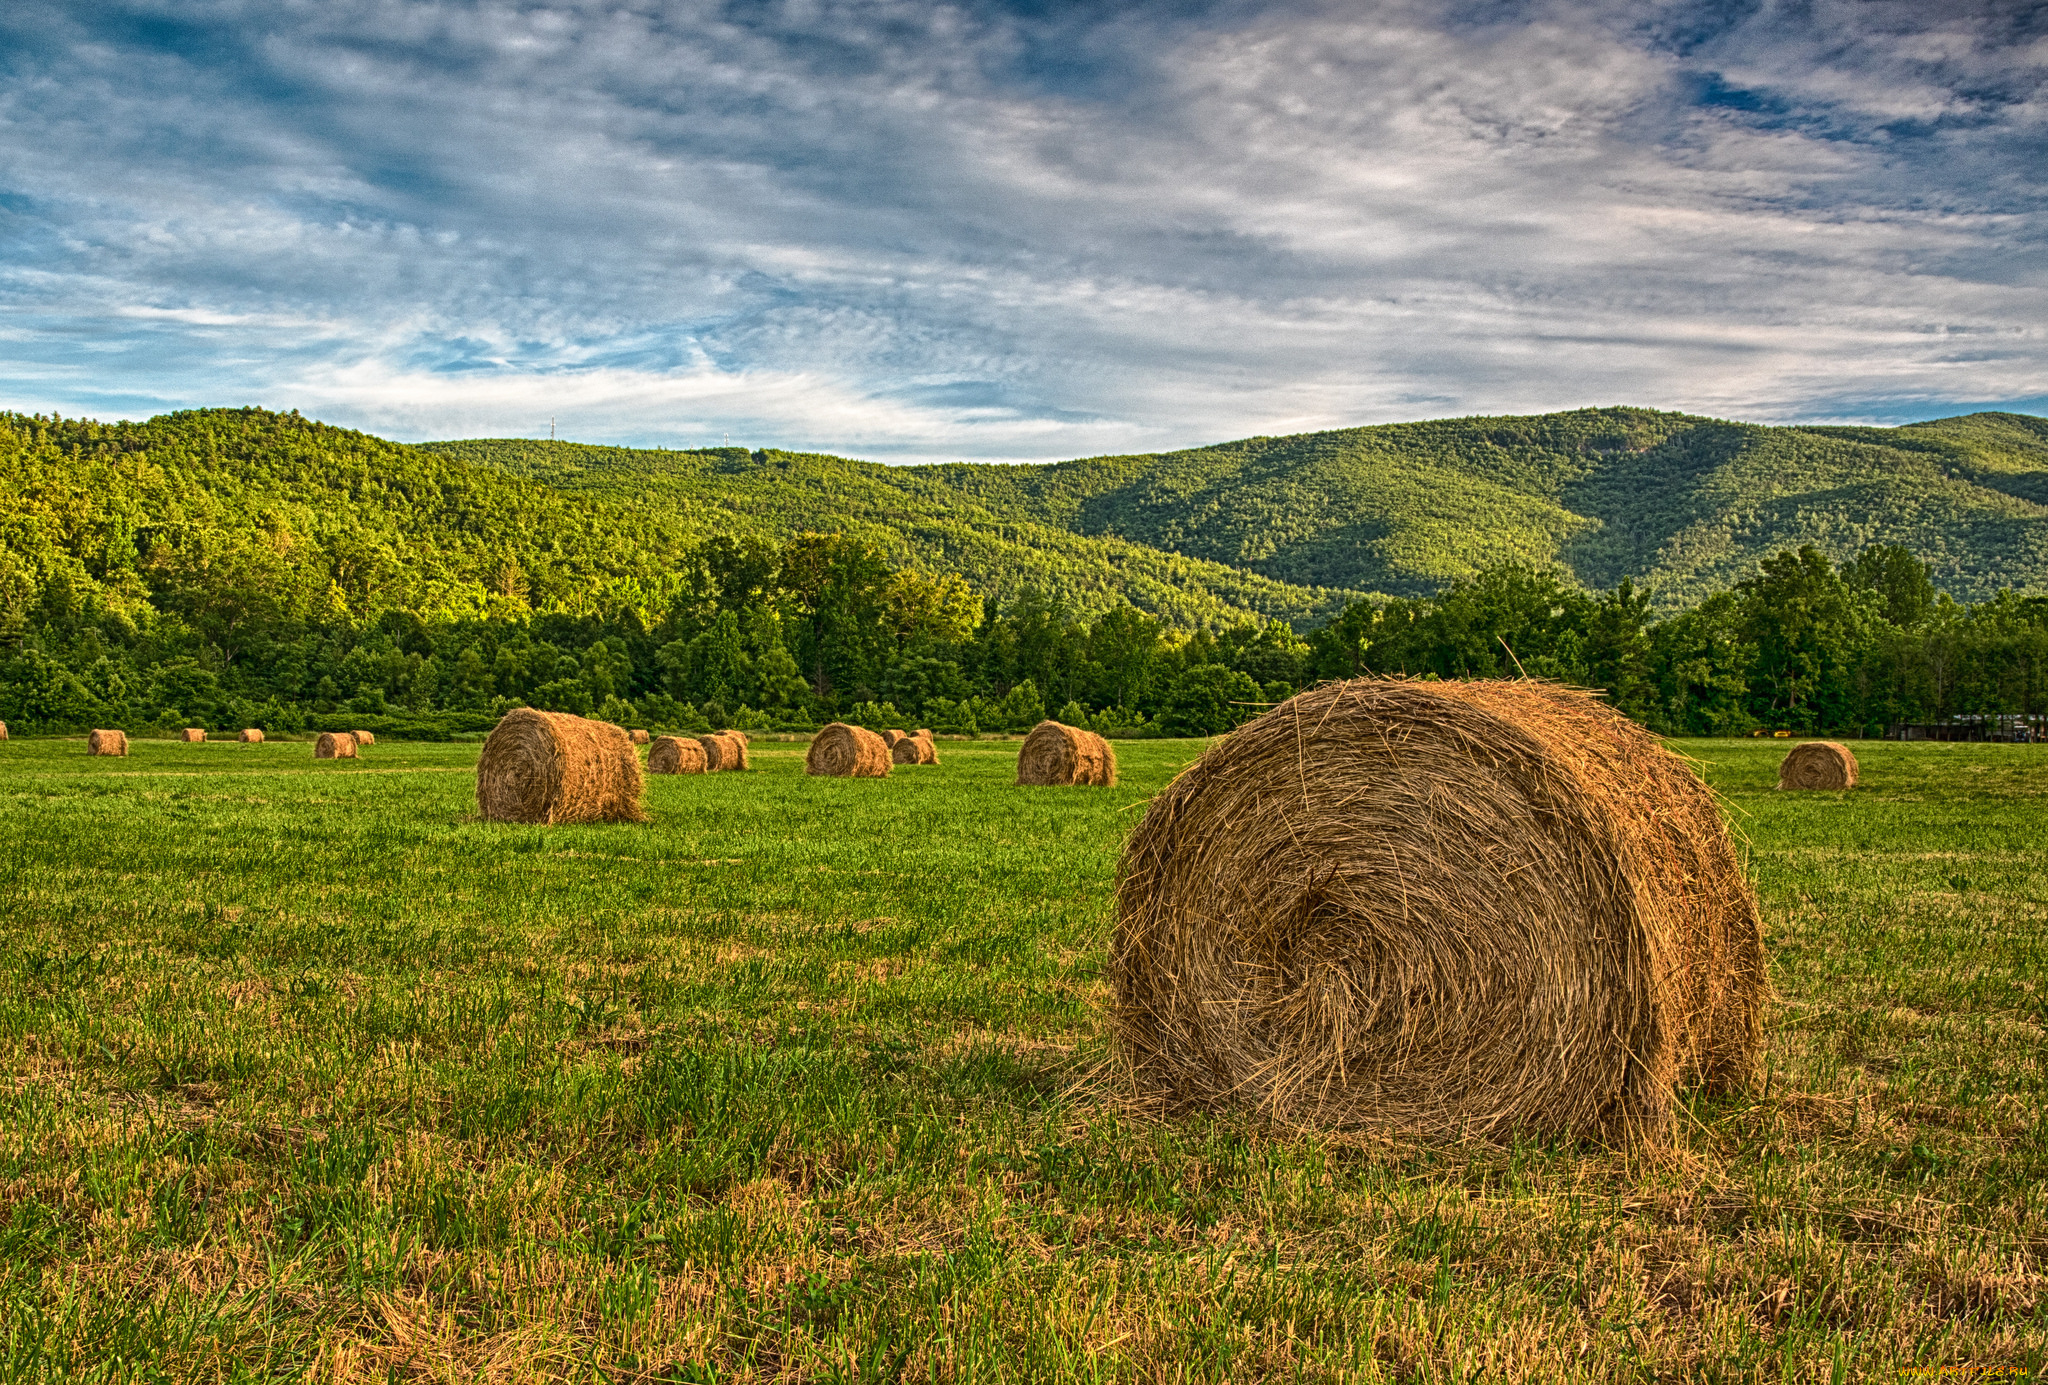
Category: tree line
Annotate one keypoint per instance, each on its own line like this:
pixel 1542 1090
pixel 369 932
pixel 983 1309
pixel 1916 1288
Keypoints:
pixel 763 635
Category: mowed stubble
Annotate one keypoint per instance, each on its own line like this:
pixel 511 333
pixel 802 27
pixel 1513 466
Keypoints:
pixel 310 1070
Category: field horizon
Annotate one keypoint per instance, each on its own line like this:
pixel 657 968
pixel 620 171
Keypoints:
pixel 313 1075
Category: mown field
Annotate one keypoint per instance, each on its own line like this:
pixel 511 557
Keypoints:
pixel 306 1074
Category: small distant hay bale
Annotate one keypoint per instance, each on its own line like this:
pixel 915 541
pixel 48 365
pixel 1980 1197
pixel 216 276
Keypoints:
pixel 1818 765
pixel 739 745
pixel 1441 909
pixel 107 743
pixel 913 750
pixel 551 767
pixel 923 733
pixel 639 736
pixel 335 745
pixel 1058 754
pixel 847 752
pixel 363 738
pixel 724 751
pixel 192 735
pixel 3 730
pixel 675 755
pixel 251 736
pixel 889 738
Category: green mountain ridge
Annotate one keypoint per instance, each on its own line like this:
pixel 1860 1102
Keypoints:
pixel 1288 527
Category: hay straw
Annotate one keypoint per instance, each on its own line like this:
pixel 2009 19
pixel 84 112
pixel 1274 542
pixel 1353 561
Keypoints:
pixel 675 755
pixel 193 735
pixel 551 767
pixel 107 743
pixel 251 736
pixel 845 751
pixel 1818 765
pixel 923 733
pixel 639 737
pixel 363 738
pixel 1057 754
pixel 889 738
pixel 1438 908
pixel 724 751
pixel 335 745
pixel 3 730
pixel 913 750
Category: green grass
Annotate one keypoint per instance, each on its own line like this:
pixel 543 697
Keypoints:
pixel 307 1074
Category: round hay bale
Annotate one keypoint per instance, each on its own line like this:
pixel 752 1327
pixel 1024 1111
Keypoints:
pixel 1439 908
pixel 739 745
pixel 551 767
pixel 1818 765
pixel 1058 754
pixel 3 730
pixel 335 745
pixel 251 736
pixel 192 735
pixel 675 755
pixel 107 743
pixel 639 737
pixel 724 751
pixel 363 738
pixel 889 738
pixel 913 751
pixel 844 751
pixel 923 733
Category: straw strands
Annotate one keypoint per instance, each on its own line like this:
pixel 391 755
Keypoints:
pixel 1818 765
pixel 675 755
pixel 844 751
pixel 1440 908
pixel 1057 754
pixel 251 736
pixel 107 743
pixel 335 745
pixel 724 751
pixel 551 767
pixel 192 735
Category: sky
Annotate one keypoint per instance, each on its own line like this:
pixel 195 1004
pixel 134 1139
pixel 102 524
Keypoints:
pixel 1019 231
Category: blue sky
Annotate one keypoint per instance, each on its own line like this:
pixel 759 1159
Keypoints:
pixel 1024 231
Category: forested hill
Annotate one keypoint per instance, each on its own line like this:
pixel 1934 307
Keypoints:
pixel 1683 505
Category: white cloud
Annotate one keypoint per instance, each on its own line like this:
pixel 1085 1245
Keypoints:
pixel 915 230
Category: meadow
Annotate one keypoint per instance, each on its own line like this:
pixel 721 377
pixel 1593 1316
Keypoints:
pixel 305 1073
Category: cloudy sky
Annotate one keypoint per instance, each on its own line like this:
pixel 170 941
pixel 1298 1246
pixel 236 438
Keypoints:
pixel 912 230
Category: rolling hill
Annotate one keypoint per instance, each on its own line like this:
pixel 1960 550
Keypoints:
pixel 1285 526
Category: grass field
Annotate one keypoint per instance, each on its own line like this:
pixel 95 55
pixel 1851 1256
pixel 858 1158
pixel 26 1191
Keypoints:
pixel 307 1074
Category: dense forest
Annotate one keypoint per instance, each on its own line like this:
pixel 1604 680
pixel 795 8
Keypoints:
pixel 1294 527
pixel 244 568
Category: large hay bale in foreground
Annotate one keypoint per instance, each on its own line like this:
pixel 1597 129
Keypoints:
pixel 639 737
pixel 363 738
pixel 193 735
pixel 912 750
pixel 845 751
pixel 335 745
pixel 1058 754
pixel 551 767
pixel 724 751
pixel 675 755
pixel 107 743
pixel 251 736
pixel 1438 908
pixel 1818 765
